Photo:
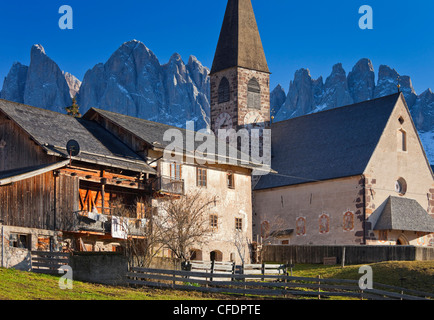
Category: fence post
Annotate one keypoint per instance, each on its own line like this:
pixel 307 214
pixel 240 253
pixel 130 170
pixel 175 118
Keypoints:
pixel 173 282
pixel 263 271
pixel 343 257
pixel 319 287
pixel 212 268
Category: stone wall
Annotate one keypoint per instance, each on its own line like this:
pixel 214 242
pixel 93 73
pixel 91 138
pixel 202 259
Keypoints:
pixel 19 257
pixel 99 267
pixel 328 212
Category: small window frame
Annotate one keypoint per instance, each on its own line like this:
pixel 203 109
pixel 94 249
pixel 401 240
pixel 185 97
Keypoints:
pixel 239 224
pixel 201 177
pixel 230 180
pixel 254 94
pixel 224 91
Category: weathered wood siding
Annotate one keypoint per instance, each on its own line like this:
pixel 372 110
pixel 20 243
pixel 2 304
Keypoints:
pixel 67 201
pixel 19 151
pixel 29 203
pixel 43 202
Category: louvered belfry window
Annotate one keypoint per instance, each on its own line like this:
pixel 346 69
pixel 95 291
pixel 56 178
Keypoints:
pixel 253 94
pixel 224 91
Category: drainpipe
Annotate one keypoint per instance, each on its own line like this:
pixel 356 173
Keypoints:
pixel 364 208
pixel 3 243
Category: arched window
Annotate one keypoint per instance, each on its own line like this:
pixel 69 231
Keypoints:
pixel 253 94
pixel 224 92
pixel 216 255
pixel 401 186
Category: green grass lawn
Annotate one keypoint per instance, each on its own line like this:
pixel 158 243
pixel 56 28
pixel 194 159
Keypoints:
pixel 18 285
pixel 415 275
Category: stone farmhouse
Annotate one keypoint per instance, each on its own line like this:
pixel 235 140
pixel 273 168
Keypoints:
pixel 55 200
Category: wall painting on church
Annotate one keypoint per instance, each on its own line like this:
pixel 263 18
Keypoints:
pixel 348 223
pixel 300 226
pixel 324 223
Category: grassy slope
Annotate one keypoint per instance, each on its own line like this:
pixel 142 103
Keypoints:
pixel 16 285
pixel 416 275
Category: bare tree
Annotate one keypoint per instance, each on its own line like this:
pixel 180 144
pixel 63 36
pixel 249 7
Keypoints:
pixel 184 223
pixel 141 243
pixel 243 245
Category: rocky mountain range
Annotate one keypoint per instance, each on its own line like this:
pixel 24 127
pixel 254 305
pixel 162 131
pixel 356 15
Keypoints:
pixel 135 83
pixel 307 95
pixel 132 82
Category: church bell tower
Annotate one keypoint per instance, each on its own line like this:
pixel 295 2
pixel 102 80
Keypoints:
pixel 240 79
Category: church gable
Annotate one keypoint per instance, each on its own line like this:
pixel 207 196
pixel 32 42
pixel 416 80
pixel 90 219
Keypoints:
pixel 400 156
pixel 398 168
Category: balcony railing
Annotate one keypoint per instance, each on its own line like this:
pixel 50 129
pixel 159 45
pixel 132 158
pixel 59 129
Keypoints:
pixel 92 222
pixel 168 185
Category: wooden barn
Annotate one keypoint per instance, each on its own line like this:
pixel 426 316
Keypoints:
pixel 55 199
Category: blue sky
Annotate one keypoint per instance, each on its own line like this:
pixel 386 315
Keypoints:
pixel 295 34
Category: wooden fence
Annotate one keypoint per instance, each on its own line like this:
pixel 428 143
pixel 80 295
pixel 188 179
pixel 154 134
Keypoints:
pixel 49 262
pixel 276 285
pixel 349 254
pixel 230 268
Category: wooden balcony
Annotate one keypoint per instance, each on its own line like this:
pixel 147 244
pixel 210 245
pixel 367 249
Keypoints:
pixel 168 185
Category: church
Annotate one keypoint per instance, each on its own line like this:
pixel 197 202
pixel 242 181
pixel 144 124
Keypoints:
pixel 354 175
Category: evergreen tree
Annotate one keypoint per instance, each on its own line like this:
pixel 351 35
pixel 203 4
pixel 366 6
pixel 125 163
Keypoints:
pixel 74 109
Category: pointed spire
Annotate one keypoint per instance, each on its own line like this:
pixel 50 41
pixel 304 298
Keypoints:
pixel 239 44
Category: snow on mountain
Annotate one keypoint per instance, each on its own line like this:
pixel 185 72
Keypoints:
pixel 41 84
pixel 133 82
pixel 307 95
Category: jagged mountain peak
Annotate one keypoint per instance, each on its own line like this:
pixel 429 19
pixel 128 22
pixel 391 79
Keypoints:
pixel 37 48
pixel 133 82
pixel 306 95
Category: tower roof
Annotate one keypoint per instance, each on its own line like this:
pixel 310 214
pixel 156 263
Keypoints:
pixel 239 44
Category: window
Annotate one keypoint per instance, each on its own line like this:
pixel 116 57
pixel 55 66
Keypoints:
pixel 238 224
pixel 224 91
pixel 19 241
pixel 401 186
pixel 253 94
pixel 213 221
pixel 401 120
pixel 195 254
pixel 382 237
pixel 201 177
pixel 402 140
pixel 230 180
pixel 175 171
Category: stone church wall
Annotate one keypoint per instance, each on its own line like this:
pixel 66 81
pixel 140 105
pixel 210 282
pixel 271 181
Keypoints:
pixel 328 212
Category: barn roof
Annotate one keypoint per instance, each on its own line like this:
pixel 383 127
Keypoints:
pixel 406 215
pixel 52 131
pixel 326 145
pixel 15 175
